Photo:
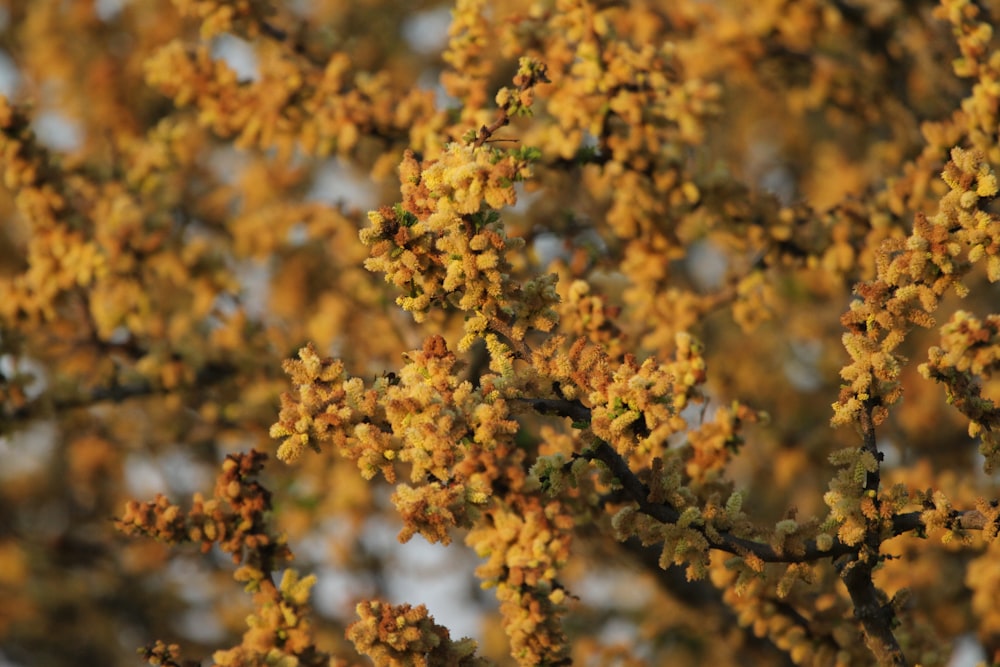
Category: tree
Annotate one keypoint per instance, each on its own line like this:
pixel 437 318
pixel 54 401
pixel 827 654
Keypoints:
pixel 696 301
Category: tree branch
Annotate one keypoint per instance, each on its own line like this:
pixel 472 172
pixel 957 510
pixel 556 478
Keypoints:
pixel 871 608
pixel 639 493
pixel 212 373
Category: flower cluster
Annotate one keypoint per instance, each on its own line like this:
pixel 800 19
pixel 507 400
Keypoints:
pixel 408 637
pixel 912 277
pixel 295 103
pixel 526 544
pixel 458 445
pixel 444 245
pixel 443 428
pixel 970 349
pixel 469 58
pixel 280 631
pixel 233 519
pixel 59 256
pixel 243 17
pixel 852 510
pixel 634 406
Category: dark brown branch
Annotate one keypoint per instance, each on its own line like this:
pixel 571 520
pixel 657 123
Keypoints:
pixel 871 608
pixel 874 613
pixel 637 492
pixel 524 82
pixel 485 133
pixel 46 405
pixel 870 445
pixel 575 410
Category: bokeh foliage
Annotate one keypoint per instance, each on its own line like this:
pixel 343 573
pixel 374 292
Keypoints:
pixel 693 303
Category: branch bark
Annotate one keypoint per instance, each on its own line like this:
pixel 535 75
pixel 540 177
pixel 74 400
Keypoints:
pixel 871 607
pixel 900 524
